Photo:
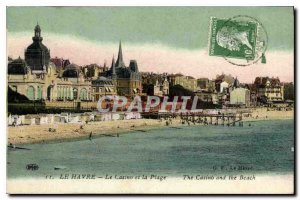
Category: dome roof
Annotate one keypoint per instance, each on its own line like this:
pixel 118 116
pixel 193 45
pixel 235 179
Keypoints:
pixel 102 81
pixel 37 46
pixel 17 66
pixel 72 66
pixel 71 71
pixel 102 78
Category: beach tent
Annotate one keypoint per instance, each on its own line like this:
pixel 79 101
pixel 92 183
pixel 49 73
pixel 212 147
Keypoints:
pixel 84 118
pixel 138 115
pixel 44 120
pixel 91 117
pixel 64 117
pixel 50 118
pixel 98 117
pixel 74 119
pixel 106 117
pixel 29 120
pixel 133 115
pixel 41 120
pixel 122 116
pixel 115 116
pixel 22 118
pixel 9 120
pixel 16 120
pixel 38 120
pixel 57 119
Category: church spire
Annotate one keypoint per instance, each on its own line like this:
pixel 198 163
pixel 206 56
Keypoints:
pixel 113 68
pixel 120 62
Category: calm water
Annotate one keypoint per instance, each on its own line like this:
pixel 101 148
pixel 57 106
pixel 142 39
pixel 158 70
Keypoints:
pixel 265 147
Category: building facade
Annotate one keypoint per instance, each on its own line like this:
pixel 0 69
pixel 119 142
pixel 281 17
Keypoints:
pixel 187 82
pixel 161 88
pixel 102 86
pixel 38 77
pixel 269 88
pixel 205 84
pixel 128 80
pixel 209 97
pixel 60 63
pixel 219 82
pixel 240 97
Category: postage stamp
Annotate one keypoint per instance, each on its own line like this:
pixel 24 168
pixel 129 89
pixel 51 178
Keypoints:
pixel 239 37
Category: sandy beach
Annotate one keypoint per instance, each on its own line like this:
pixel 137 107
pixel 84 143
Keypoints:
pixel 271 114
pixel 72 131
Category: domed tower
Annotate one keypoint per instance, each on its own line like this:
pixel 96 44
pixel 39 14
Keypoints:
pixel 17 67
pixel 37 55
pixel 71 71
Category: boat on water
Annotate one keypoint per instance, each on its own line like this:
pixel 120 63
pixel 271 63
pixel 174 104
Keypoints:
pixel 12 146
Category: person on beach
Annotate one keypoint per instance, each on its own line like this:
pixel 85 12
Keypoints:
pixel 12 145
pixel 167 123
pixel 90 137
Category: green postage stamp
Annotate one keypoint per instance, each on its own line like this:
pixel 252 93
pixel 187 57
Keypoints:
pixel 237 38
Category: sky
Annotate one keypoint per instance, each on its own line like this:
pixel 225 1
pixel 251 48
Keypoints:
pixel 161 39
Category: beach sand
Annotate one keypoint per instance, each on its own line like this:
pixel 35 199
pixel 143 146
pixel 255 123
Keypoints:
pixel 271 114
pixel 72 131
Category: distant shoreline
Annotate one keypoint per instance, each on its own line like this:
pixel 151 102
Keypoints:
pixel 71 131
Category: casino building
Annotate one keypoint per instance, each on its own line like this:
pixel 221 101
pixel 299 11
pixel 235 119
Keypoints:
pixel 37 78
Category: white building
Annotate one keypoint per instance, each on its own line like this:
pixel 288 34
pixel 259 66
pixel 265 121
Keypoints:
pixel 224 86
pixel 161 88
pixel 240 96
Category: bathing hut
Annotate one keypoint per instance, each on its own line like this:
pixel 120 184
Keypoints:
pixel 29 120
pixel 115 116
pixel 50 119
pixel 73 118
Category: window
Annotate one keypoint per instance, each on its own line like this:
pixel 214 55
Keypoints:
pixel 30 93
pixel 75 93
pixel 83 94
pixel 40 93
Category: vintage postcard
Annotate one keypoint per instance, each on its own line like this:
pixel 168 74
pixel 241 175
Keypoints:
pixel 150 100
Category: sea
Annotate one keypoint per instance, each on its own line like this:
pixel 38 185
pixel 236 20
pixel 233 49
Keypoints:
pixel 261 147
